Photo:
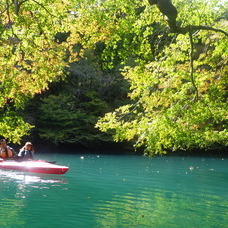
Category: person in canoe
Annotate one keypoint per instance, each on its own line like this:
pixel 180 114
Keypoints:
pixel 6 152
pixel 26 152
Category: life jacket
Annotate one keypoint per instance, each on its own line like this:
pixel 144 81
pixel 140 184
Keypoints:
pixel 6 153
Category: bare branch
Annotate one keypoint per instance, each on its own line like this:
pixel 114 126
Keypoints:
pixel 7 10
pixel 43 7
pixel 7 6
pixel 168 9
pixel 17 5
pixel 191 28
pixel 192 66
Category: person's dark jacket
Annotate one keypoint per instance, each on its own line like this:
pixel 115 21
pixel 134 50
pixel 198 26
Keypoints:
pixel 26 154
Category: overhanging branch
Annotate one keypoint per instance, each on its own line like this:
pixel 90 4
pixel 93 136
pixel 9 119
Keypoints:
pixel 169 10
pixel 43 7
pixel 192 66
pixel 192 28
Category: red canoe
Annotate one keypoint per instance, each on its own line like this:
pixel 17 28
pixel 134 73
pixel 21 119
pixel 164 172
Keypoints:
pixel 35 166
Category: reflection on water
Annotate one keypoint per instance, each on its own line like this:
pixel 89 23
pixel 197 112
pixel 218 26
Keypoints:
pixel 15 192
pixel 157 208
pixel 118 191
pixel 24 178
pixel 10 212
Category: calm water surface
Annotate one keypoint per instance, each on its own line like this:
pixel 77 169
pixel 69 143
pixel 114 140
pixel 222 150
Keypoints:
pixel 118 191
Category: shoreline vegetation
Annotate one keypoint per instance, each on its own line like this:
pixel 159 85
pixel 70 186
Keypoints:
pixel 119 149
pixel 144 75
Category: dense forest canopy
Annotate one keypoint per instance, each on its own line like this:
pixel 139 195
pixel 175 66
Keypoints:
pixel 169 58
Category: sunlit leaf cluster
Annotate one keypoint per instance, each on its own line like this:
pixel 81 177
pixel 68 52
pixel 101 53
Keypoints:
pixel 30 58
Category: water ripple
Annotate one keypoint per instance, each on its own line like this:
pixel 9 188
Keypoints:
pixel 119 191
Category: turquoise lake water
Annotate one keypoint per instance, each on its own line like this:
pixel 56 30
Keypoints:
pixel 118 191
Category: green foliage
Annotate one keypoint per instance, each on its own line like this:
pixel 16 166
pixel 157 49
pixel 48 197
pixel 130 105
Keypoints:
pixel 178 82
pixel 122 31
pixel 29 59
pixel 63 122
pixel 68 112
pixel 13 126
pixel 166 115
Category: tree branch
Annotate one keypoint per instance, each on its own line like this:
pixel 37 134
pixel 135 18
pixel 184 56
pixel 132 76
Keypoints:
pixel 17 5
pixel 42 6
pixel 7 7
pixel 191 28
pixel 7 11
pixel 192 66
pixel 169 10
